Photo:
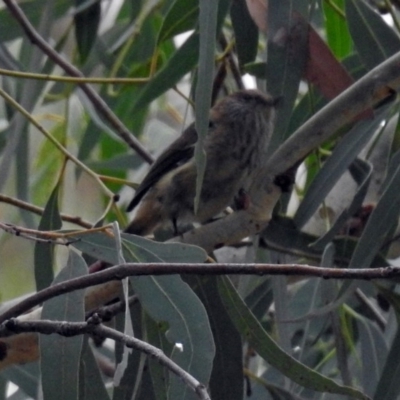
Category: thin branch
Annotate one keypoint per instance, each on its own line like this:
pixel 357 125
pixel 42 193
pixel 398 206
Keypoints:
pixel 47 327
pixel 54 237
pixel 93 326
pixel 158 354
pixel 56 143
pixel 96 100
pixel 30 234
pixel 108 312
pixel 144 269
pixel 71 79
pixel 39 211
pixel 237 76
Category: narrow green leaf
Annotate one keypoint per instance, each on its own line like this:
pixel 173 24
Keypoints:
pixel 226 381
pixel 246 32
pixel 171 300
pixel 208 29
pixel 374 350
pixel 3 388
pixel 260 298
pixel 121 162
pixel 381 221
pixel 257 69
pixel 44 252
pixel 388 386
pixel 335 166
pixel 87 23
pixel 181 17
pixel 134 371
pixel 374 39
pixel 168 299
pixel 181 62
pixel 287 57
pixel 128 327
pixel 159 375
pixel 364 171
pixel 60 356
pixel 10 28
pixel 92 385
pixel 337 31
pixel 259 339
pixel 147 387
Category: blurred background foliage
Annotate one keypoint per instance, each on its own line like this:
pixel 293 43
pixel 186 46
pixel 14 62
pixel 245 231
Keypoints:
pixel 343 210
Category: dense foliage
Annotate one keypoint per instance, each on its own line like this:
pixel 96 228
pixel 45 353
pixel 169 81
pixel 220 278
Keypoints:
pixel 71 147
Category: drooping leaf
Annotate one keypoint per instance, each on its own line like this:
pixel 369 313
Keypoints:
pixel 388 387
pixel 374 39
pixel 246 32
pixel 227 378
pixel 374 349
pixel 90 380
pixel 44 252
pixel 184 59
pixel 343 155
pixel 64 352
pixel 287 58
pixel 204 85
pixel 182 16
pixel 169 299
pixel 381 221
pixel 86 25
pixel 337 31
pixel 251 329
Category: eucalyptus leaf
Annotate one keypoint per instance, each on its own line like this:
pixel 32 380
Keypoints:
pixel 388 388
pixel 44 252
pixel 375 40
pixel 268 349
pixel 86 26
pixel 287 42
pixel 60 356
pixel 335 166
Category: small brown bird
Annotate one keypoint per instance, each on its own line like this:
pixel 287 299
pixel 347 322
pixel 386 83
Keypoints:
pixel 240 127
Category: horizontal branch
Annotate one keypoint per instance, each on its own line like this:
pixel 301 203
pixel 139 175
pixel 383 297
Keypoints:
pixel 40 210
pixel 119 272
pixel 93 326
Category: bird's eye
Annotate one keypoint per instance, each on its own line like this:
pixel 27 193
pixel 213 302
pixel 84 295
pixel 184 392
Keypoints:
pixel 211 124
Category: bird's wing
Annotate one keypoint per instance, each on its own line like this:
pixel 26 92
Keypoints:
pixel 180 151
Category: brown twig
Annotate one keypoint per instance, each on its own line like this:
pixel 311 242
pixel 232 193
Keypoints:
pixel 93 326
pixel 32 234
pixel 109 311
pixel 96 100
pixel 233 66
pixel 39 211
pixel 133 269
